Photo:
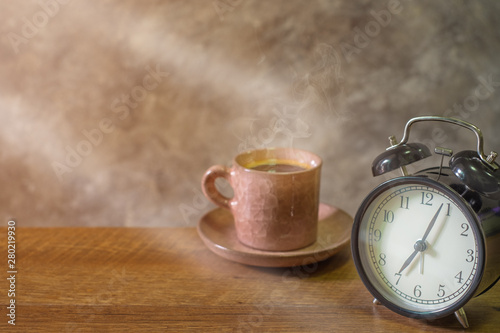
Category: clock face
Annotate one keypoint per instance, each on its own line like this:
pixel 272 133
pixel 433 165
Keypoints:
pixel 418 248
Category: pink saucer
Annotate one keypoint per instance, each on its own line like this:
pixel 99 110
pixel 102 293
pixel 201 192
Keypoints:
pixel 216 229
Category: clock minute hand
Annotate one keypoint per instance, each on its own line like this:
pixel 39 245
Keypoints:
pixel 420 244
pixel 431 224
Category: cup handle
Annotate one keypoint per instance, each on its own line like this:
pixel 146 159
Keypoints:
pixel 208 185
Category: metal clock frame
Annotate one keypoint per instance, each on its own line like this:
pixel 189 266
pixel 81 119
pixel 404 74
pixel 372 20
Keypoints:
pixel 473 221
pixel 472 180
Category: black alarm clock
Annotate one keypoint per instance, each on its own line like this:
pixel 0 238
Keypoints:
pixel 424 244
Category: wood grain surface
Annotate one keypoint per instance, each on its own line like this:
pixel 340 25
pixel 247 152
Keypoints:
pixel 166 280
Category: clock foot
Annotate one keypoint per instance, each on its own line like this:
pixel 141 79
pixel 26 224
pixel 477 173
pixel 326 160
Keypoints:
pixel 462 317
pixel 376 301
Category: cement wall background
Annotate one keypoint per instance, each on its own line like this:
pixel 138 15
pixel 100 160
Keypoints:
pixel 111 111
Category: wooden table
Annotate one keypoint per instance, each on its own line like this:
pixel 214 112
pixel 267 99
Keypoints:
pixel 155 280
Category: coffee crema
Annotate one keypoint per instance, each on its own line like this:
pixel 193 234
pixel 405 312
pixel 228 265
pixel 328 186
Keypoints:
pixel 278 167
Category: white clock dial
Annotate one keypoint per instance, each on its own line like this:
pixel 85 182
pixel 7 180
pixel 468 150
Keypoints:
pixel 419 247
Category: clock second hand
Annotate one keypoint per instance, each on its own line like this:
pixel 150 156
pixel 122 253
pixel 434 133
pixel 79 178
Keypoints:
pixel 421 262
pixel 420 244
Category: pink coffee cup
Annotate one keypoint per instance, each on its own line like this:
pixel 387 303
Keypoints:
pixel 276 197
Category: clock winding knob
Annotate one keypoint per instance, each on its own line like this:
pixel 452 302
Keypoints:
pixel 491 157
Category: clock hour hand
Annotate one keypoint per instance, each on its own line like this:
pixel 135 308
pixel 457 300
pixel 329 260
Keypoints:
pixel 408 261
pixel 420 245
